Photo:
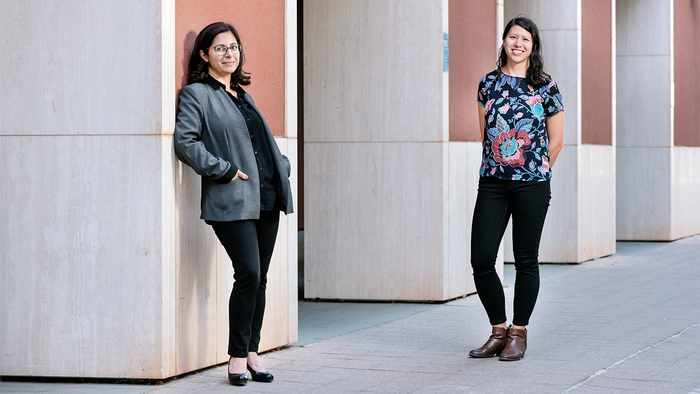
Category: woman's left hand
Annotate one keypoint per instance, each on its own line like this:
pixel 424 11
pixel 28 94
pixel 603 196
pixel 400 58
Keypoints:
pixel 239 174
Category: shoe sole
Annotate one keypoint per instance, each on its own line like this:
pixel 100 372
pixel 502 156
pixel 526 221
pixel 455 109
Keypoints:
pixel 512 359
pixel 482 356
pixel 262 380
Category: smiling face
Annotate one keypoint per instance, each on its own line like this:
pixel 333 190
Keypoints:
pixel 221 66
pixel 518 46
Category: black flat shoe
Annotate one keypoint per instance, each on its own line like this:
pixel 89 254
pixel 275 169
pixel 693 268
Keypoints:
pixel 260 376
pixel 238 379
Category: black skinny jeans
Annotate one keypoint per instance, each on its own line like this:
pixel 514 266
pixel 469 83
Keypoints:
pixel 496 202
pixel 249 244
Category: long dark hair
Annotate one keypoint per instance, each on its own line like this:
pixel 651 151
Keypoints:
pixel 198 69
pixel 535 72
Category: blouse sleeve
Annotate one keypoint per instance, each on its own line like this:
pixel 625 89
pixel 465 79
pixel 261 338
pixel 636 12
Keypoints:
pixel 482 95
pixel 553 101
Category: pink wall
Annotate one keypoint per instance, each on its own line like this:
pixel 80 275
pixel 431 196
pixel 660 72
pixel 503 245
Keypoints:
pixel 686 70
pixel 261 27
pixel 596 72
pixel 472 35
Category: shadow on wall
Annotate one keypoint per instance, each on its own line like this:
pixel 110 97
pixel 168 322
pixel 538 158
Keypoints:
pixel 196 270
pixel 187 49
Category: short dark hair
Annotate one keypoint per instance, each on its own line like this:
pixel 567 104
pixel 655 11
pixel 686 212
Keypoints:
pixel 535 72
pixel 198 69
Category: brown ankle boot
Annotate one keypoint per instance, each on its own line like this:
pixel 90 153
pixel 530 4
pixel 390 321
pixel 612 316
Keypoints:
pixel 493 346
pixel 516 343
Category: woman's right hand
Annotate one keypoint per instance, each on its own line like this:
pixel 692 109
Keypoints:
pixel 239 174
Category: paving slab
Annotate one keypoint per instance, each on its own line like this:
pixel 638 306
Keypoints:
pixel 624 323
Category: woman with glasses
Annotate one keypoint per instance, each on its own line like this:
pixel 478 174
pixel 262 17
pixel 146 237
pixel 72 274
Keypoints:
pixel 522 125
pixel 220 133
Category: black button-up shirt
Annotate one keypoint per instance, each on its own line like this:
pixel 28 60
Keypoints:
pixel 263 156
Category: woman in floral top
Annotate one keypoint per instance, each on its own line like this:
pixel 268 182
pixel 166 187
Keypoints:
pixel 521 116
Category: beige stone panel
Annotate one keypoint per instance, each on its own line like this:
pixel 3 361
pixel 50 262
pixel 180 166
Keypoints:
pixel 373 70
pixel 465 159
pixel 169 250
pixel 81 257
pixel 561 235
pixel 644 27
pixel 562 52
pixel 291 73
pixel 597 201
pixel 168 196
pixel 275 331
pixel 686 191
pixel 375 225
pixel 280 325
pixel 644 101
pixel 224 281
pixel 644 194
pixel 91 67
pixel 644 128
pixel 500 23
pixel 293 248
pixel 547 14
pixel 196 275
pixel 458 272
pixel 290 147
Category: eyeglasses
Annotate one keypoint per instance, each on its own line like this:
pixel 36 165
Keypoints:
pixel 222 49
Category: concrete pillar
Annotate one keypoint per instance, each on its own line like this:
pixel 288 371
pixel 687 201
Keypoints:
pixel 474 28
pixel 268 33
pixel 107 269
pixel 658 178
pixel 376 158
pixel 581 218
pixel 686 118
pixel 387 192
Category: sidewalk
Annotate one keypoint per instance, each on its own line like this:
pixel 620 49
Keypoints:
pixel 625 323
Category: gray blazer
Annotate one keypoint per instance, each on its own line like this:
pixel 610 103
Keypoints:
pixel 211 136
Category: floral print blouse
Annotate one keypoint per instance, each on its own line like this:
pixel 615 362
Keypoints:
pixel 515 133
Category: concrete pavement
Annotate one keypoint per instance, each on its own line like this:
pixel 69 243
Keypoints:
pixel 628 323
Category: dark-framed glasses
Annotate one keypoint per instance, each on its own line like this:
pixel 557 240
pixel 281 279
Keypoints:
pixel 222 49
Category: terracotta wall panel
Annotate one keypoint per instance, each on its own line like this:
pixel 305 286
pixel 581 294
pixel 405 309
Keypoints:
pixel 261 27
pixel 686 69
pixel 596 72
pixel 202 270
pixel 472 30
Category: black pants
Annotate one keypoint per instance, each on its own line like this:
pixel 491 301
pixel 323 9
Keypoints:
pixel 249 244
pixel 496 202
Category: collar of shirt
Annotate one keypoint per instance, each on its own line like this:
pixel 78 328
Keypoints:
pixel 211 81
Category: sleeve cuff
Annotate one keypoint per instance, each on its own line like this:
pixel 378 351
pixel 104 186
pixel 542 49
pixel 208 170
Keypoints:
pixel 228 176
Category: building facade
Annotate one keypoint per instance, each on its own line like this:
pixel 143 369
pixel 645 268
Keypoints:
pixel 107 271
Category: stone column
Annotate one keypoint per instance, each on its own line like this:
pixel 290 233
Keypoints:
pixel 658 167
pixel 107 270
pixel 387 191
pixel 580 222
pixel 268 33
